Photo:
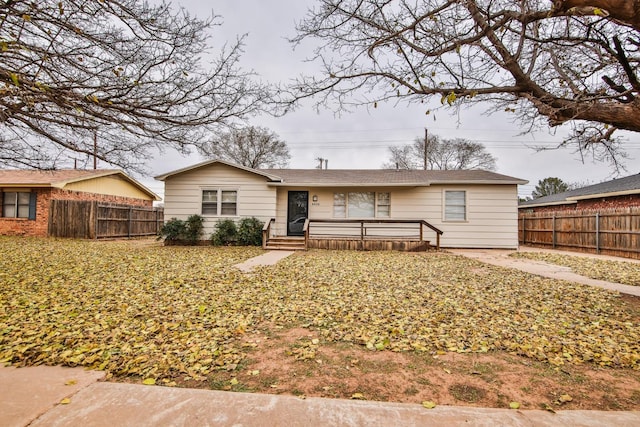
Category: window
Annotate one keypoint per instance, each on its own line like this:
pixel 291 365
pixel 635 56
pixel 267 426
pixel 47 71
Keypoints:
pixel 19 205
pixel 219 202
pixel 455 207
pixel 384 205
pixel 339 205
pixel 361 205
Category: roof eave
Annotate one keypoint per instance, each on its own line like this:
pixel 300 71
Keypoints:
pixel 347 184
pixel 396 184
pixel 537 205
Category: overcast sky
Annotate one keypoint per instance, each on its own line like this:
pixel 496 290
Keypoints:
pixel 360 139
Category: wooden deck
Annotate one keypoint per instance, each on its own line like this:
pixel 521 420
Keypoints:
pixel 360 235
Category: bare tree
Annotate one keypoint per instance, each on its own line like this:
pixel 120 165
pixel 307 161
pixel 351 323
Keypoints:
pixel 128 73
pixel 441 154
pixel 563 61
pixel 254 147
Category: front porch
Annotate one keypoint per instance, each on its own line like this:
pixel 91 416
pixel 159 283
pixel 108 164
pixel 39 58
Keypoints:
pixel 363 235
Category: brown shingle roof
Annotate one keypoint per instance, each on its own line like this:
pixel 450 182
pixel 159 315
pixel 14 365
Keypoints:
pixel 48 178
pixel 345 177
pixel 360 177
pixel 62 177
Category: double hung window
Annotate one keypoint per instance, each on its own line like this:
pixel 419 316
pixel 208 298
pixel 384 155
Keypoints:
pixel 219 202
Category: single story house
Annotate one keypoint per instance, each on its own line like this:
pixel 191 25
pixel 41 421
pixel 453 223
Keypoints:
pixel 617 193
pixel 26 195
pixel 465 208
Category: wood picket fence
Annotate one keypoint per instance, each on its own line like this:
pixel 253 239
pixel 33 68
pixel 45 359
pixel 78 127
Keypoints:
pixel 94 220
pixel 611 232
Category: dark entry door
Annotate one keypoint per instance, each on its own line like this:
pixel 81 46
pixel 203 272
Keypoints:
pixel 297 211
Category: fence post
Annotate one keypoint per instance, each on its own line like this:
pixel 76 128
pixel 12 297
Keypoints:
pixel 524 240
pixel 95 211
pixel 130 222
pixel 553 231
pixel 597 232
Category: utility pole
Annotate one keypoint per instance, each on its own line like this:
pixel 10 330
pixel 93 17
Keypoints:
pixel 95 149
pixel 426 150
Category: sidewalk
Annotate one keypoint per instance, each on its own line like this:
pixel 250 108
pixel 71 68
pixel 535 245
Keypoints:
pixel 500 257
pixel 32 396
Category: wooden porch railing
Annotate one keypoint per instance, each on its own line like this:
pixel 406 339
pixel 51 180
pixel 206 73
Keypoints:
pixel 369 229
pixel 266 232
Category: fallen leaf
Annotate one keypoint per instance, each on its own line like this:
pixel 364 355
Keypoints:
pixel 65 401
pixel 565 398
pixel 429 404
pixel 71 382
pixel 149 381
pixel 357 396
pixel 514 405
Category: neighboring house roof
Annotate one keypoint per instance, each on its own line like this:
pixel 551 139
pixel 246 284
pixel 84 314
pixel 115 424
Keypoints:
pixel 61 178
pixel 363 177
pixel 617 187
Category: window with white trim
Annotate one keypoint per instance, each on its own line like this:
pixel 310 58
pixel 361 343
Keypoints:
pixel 219 202
pixel 361 205
pixel 455 205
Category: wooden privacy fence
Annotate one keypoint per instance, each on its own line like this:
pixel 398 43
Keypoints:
pixel 94 220
pixel 613 232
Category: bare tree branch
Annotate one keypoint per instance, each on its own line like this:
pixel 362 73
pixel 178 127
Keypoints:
pixel 131 72
pixel 254 147
pixel 538 59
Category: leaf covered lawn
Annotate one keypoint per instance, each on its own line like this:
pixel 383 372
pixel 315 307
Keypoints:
pixel 161 313
pixel 624 272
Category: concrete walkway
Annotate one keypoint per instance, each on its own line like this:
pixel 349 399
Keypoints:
pixel 500 257
pixel 34 396
pixel 269 258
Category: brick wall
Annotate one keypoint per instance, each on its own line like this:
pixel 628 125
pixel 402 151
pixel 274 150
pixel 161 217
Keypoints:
pixel 627 201
pixel 39 227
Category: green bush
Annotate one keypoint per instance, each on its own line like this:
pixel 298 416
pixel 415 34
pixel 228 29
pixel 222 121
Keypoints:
pixel 173 230
pixel 194 228
pixel 226 233
pixel 177 230
pixel 250 232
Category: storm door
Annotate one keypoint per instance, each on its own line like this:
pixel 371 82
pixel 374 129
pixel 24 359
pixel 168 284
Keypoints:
pixel 297 211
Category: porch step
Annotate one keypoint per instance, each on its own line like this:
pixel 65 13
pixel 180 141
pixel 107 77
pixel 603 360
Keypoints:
pixel 286 243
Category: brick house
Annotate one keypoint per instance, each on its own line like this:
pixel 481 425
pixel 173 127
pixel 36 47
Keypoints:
pixel 617 193
pixel 26 195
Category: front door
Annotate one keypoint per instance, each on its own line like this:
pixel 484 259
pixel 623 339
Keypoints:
pixel 297 211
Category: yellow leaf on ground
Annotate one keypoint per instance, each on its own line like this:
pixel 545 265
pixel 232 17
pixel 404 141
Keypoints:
pixel 565 398
pixel 71 382
pixel 65 401
pixel 514 405
pixel 429 404
pixel 149 381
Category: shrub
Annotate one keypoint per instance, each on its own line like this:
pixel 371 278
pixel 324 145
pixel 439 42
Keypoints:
pixel 177 230
pixel 226 233
pixel 173 230
pixel 194 228
pixel 250 232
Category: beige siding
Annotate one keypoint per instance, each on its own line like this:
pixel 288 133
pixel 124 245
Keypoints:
pixel 491 212
pixel 109 185
pixel 183 194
